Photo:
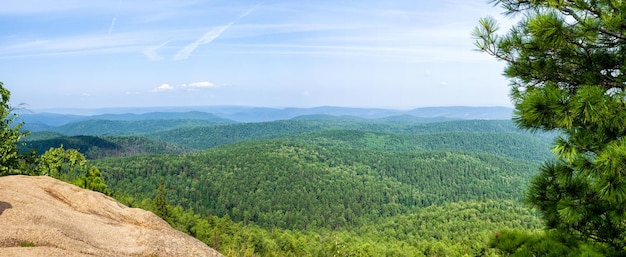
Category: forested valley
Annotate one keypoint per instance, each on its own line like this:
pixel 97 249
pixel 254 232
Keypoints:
pixel 318 185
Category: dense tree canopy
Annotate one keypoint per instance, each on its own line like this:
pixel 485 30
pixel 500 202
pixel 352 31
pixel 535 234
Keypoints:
pixel 9 134
pixel 566 63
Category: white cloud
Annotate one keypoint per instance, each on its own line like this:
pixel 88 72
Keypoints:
pixel 186 87
pixel 163 88
pixel 203 84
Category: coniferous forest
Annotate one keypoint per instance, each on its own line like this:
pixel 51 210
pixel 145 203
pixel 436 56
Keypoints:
pixel 319 185
pixel 546 178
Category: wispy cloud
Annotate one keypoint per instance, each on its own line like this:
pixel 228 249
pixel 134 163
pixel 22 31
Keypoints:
pixel 194 86
pixel 112 25
pixel 208 37
pixel 83 44
pixel 198 85
pixel 323 32
pixel 151 52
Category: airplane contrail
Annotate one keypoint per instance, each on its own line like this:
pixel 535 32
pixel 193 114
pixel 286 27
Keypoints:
pixel 112 25
pixel 208 37
pixel 151 52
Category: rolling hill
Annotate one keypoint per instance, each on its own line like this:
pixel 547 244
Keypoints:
pixel 295 185
pixel 54 118
pixel 330 181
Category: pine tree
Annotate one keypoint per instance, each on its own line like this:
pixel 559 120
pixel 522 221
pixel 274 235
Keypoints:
pixel 566 61
pixel 160 202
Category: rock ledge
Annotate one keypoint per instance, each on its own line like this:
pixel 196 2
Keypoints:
pixel 60 219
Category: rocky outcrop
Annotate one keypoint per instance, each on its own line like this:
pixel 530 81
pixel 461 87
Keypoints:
pixel 42 216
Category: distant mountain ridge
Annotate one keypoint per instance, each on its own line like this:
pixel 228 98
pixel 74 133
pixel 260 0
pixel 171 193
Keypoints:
pixel 38 121
pixel 461 112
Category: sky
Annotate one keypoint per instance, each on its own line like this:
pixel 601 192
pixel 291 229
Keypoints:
pixel 398 54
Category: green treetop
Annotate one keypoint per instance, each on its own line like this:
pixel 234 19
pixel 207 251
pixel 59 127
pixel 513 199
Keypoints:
pixel 566 61
pixel 9 135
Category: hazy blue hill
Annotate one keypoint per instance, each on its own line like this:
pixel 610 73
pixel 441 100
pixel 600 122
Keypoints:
pixel 259 115
pixel 231 114
pixel 139 110
pixel 128 127
pixel 192 115
pixel 45 121
pixel 329 118
pixel 410 119
pixel 35 127
pixel 367 113
pixel 465 112
pixel 271 114
pixel 403 119
pixel 460 112
pixel 49 119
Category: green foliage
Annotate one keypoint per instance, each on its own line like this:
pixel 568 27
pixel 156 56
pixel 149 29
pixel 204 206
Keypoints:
pixel 161 207
pixel 58 161
pixel 92 180
pixel 70 165
pixel 26 244
pixel 10 134
pixel 565 60
pixel 516 243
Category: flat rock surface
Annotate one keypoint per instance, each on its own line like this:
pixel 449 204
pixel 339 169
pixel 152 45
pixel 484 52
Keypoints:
pixel 60 219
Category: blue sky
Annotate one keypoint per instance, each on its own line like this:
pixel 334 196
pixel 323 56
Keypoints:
pixel 369 53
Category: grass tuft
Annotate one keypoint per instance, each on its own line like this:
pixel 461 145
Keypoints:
pixel 26 244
